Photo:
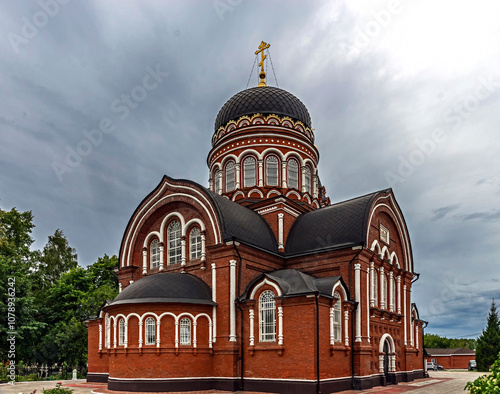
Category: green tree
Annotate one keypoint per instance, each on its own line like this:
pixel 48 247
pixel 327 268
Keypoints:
pixel 16 264
pixel 488 343
pixel 57 258
pixel 433 341
pixel 487 383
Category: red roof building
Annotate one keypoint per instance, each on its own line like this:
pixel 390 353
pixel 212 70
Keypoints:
pixel 258 282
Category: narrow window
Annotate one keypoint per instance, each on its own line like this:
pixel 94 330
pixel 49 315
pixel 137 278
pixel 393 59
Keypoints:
pixel 217 182
pixel 121 332
pixel 337 319
pixel 293 174
pixel 195 243
pixel 150 331
pixel 307 180
pixel 272 171
pixel 185 326
pixel 154 254
pixel 249 172
pixel 230 176
pixel 174 242
pixel 267 316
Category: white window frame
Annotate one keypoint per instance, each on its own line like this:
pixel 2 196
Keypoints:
pixel 121 331
pixel 150 331
pixel 154 253
pixel 185 331
pixel 217 182
pixel 249 172
pixel 195 243
pixel 230 176
pixel 267 317
pixel 272 164
pixel 293 183
pixel 307 179
pixel 337 319
pixel 174 242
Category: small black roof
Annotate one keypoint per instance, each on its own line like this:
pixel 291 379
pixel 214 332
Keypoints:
pixel 339 225
pixel 294 283
pixel 172 287
pixel 243 223
pixel 264 100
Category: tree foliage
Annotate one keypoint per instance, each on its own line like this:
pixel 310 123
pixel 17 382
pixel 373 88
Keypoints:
pixel 487 383
pixel 433 341
pixel 53 295
pixel 488 343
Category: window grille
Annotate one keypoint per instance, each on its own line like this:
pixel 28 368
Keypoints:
pixel 249 172
pixel 174 242
pixel 272 171
pixel 195 243
pixel 155 254
pixel 267 311
pixel 293 174
pixel 150 331
pixel 185 327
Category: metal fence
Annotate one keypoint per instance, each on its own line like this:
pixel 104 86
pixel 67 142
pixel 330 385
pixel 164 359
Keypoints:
pixel 44 372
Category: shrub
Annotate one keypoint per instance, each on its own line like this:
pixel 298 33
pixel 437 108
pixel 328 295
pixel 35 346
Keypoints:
pixel 487 383
pixel 57 390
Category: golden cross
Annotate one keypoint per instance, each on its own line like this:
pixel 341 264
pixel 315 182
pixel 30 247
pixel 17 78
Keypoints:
pixel 262 46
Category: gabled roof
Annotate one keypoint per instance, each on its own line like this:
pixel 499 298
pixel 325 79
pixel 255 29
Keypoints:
pixel 294 283
pixel 242 223
pixel 339 225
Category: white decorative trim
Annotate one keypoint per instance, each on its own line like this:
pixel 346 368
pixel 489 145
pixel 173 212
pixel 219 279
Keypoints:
pixel 265 282
pixel 251 316
pixel 405 315
pixel 259 192
pixel 232 299
pixel 280 325
pixel 280 230
pixel 357 298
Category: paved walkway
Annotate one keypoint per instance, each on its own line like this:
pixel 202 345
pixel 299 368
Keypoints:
pixel 439 382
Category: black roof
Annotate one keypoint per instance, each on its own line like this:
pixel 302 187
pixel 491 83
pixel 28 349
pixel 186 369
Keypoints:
pixel 243 223
pixel 335 226
pixel 294 283
pixel 264 100
pixel 172 287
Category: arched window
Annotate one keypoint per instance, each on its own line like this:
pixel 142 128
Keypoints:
pixel 121 332
pixel 195 243
pixel 307 179
pixel 174 242
pixel 185 327
pixel 337 318
pixel 272 171
pixel 267 317
pixel 150 331
pixel 249 172
pixel 217 182
pixel 293 174
pixel 154 254
pixel 230 176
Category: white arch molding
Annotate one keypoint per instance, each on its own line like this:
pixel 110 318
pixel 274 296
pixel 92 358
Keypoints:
pixel 392 353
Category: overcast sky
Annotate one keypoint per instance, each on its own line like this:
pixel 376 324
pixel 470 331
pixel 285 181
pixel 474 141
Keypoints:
pixel 99 99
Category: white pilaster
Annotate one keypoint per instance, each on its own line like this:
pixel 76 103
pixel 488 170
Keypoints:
pixel 237 167
pixel 398 281
pixel 119 287
pixel 114 333
pixel 346 328
pixel 332 337
pixel 144 261
pixel 161 249
pixel 214 299
pixel 261 172
pixel 251 316
pixel 280 325
pixel 100 336
pixel 158 333
pixel 176 333
pixel 372 284
pixel 219 175
pixel 405 316
pixel 368 305
pixel 183 251
pixel 125 340
pixel 194 333
pixel 283 175
pixel 140 333
pixel 357 298
pixel 383 289
pixel 232 298
pixel 280 230
pixel 203 252
pixel 391 292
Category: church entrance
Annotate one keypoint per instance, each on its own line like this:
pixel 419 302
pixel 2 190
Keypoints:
pixel 387 359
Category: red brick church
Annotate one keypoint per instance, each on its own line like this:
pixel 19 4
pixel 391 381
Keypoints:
pixel 259 282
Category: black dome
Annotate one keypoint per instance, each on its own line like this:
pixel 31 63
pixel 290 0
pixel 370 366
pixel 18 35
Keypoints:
pixel 263 100
pixel 166 287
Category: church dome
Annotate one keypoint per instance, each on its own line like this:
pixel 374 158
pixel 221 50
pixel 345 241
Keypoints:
pixel 264 100
pixel 170 287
